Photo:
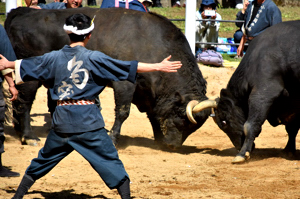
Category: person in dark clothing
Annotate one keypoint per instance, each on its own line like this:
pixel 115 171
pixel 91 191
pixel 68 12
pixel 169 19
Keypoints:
pixel 7 50
pixel 240 16
pixel 57 5
pixel 132 4
pixel 259 15
pixel 78 76
pixel 156 3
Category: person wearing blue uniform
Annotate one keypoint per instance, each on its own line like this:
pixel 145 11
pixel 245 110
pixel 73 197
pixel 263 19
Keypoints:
pixel 57 5
pixel 7 50
pixel 259 15
pixel 77 76
pixel 133 4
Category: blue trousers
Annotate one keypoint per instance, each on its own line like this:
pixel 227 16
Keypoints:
pixel 7 51
pixel 95 146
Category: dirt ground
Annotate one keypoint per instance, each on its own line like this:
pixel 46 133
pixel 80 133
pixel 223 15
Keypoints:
pixel 200 169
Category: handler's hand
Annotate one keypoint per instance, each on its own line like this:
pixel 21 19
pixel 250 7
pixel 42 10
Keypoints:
pixel 3 62
pixel 14 92
pixel 169 66
pixel 239 51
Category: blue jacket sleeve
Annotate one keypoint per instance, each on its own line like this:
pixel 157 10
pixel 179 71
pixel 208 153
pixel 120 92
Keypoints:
pixel 113 69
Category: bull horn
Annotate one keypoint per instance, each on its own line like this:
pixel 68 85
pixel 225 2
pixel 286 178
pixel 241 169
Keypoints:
pixel 189 109
pixel 196 106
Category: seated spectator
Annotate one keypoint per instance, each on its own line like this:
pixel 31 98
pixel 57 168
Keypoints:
pixel 240 16
pixel 259 15
pixel 58 5
pixel 156 3
pixel 176 3
pixel 207 31
pixel 133 4
pixel 146 4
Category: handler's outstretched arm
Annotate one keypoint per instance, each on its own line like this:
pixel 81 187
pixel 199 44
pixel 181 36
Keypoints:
pixel 164 66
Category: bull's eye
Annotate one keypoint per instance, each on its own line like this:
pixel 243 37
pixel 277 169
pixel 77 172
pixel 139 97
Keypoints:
pixel 224 123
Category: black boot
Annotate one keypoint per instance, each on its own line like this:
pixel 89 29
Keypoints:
pixel 4 172
pixel 24 186
pixel 124 189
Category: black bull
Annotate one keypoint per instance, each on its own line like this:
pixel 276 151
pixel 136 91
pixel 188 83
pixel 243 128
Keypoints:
pixel 125 35
pixel 265 86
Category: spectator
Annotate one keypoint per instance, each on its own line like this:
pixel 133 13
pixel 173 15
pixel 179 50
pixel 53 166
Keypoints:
pixel 6 50
pixel 133 4
pixel 59 5
pixel 92 2
pixel 175 3
pixel 156 3
pixel 259 15
pixel 207 31
pixel 240 16
pixel 146 4
pixel 34 2
pixel 73 72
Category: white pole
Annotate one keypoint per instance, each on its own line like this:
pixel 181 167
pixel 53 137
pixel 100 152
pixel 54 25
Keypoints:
pixel 10 4
pixel 190 23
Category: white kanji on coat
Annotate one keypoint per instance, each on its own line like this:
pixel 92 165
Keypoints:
pixel 74 75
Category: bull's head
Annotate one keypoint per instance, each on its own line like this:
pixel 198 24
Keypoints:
pixel 171 126
pixel 227 115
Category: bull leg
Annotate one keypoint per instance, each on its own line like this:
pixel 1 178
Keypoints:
pixel 22 107
pixel 158 135
pixel 260 102
pixel 123 92
pixel 292 129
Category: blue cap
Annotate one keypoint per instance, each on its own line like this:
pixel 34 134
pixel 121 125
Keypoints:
pixel 206 3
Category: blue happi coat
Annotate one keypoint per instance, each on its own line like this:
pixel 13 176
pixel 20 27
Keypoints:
pixel 133 4
pixel 267 16
pixel 75 73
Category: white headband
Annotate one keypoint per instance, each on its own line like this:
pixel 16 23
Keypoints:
pixel 72 29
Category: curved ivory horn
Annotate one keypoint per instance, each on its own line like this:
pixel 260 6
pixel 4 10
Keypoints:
pixel 196 106
pixel 189 110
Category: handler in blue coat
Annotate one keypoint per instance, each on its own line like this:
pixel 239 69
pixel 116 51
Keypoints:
pixel 133 4
pixel 7 50
pixel 77 76
pixel 259 15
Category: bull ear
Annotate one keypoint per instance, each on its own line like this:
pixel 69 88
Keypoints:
pixel 180 99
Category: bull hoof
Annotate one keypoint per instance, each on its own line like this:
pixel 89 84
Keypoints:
pixel 240 159
pixel 30 142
